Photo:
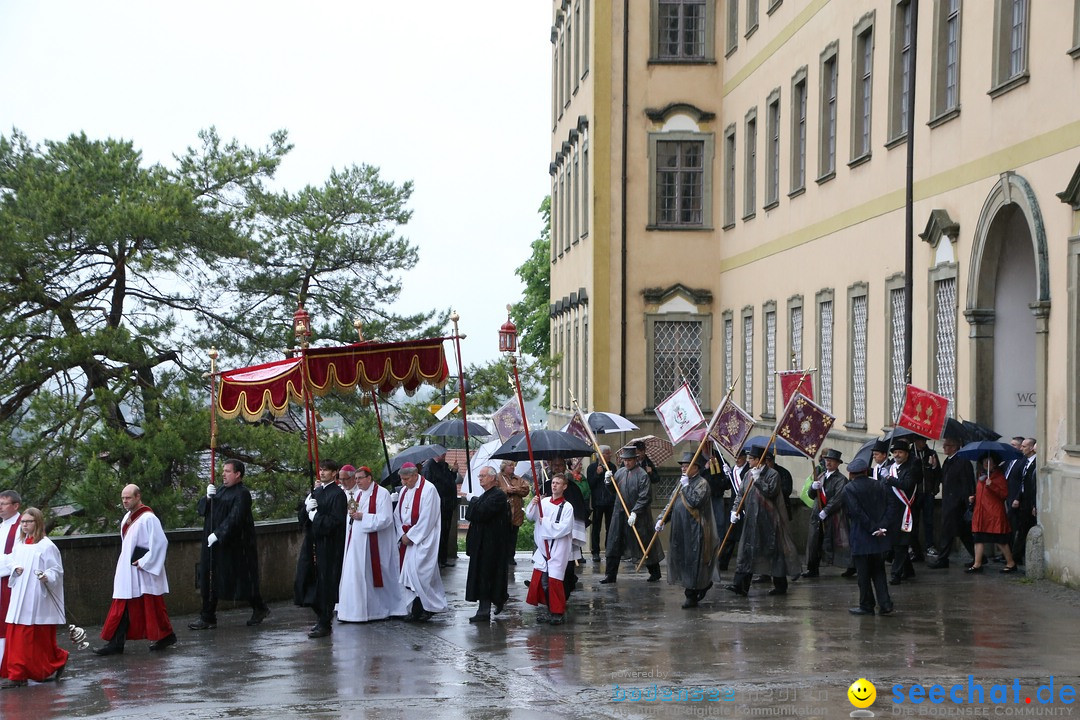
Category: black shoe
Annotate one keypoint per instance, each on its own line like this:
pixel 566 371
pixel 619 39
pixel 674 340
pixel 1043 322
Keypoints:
pixel 109 649
pixel 319 632
pixel 163 643
pixel 735 589
pixel 761 579
pixel 498 608
pixel 885 610
pixel 424 616
pixel 894 581
pixel 527 583
pixel 257 616
pixel 973 569
pixel 1008 569
pixel 860 611
pixel 939 563
pixel 809 574
pixel 201 624
pixel 556 620
pixel 478 618
pixel 654 577
pixel 850 572
pixel 596 558
pixel 777 591
pixel 608 580
pixel 690 602
pixel 59 672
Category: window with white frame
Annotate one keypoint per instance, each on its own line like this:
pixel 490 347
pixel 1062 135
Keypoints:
pixel 677 346
pixel 859 322
pixel 682 179
pixel 798 131
pixel 585 198
pixel 945 309
pixel 586 19
pixel 795 327
pixel 585 362
pixel 684 29
pixel 748 360
pixel 945 80
pixel 1011 31
pixel 568 352
pixel 732 27
pixel 897 371
pixel 769 376
pixel 825 349
pixel 729 350
pixel 751 17
pixel 729 176
pixel 750 189
pixel 899 71
pixel 827 121
pixel 556 246
pixel 575 229
pixel 862 90
pixel 574 361
pixel 577 47
pixel 772 154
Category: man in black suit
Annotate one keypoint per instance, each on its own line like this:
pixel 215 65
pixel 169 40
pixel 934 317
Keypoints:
pixel 957 485
pixel 1024 505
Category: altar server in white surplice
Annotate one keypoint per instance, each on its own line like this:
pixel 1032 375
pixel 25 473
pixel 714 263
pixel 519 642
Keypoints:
pixel 369 576
pixel 419 522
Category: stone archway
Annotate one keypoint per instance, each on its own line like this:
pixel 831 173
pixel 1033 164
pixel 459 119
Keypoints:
pixel 1008 303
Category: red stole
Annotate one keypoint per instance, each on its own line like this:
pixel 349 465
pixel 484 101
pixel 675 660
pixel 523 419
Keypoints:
pixel 373 542
pixel 5 591
pixel 132 518
pixel 415 516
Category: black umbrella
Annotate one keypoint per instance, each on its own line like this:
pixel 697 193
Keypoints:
pixel 866 451
pixel 899 432
pixel 546 445
pixel 780 447
pixel 455 427
pixel 417 455
pixel 979 432
pixel 955 429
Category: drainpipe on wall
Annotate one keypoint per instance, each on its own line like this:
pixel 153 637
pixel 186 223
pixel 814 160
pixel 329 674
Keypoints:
pixel 622 209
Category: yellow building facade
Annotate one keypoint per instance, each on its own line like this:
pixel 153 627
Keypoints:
pixel 728 201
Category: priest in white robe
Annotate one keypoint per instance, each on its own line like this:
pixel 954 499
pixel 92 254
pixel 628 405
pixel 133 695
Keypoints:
pixel 418 521
pixel 36 578
pixel 139 582
pixel 369 576
pixel 553 529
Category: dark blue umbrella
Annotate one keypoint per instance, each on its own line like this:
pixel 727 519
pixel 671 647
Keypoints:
pixel 779 447
pixel 975 450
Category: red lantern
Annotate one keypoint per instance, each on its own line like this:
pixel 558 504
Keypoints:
pixel 508 336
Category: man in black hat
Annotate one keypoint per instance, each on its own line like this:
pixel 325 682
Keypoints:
pixel 922 537
pixel 864 503
pixel 739 474
pixel 766 546
pixel 901 479
pixel 636 491
pixel 826 533
pixel 957 485
pixel 881 461
pixel 693 533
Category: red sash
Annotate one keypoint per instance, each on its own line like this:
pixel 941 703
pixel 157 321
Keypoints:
pixel 133 517
pixel 415 516
pixel 373 543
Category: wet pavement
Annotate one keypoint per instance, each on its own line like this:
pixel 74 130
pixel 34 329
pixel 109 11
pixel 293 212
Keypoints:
pixel 627 650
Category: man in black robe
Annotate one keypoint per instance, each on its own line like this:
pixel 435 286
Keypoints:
pixel 692 544
pixel 865 504
pixel 485 544
pixel 318 569
pixel 229 563
pixel 439 473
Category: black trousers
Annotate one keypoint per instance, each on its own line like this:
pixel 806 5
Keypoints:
pixel 954 526
pixel 871 576
pixel 209 605
pixel 730 546
pixel 901 564
pixel 743 580
pixel 445 551
pixel 600 514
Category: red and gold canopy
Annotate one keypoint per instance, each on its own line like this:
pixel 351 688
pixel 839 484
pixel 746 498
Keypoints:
pixel 252 391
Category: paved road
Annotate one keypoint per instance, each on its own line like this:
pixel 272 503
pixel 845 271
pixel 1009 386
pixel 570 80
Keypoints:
pixel 761 656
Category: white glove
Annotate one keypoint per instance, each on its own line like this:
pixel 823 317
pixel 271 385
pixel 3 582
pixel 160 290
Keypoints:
pixel 816 484
pixel 734 517
pixel 393 497
pixel 659 525
pixel 311 504
pixel 756 472
pixel 823 515
pixel 607 477
pixel 211 491
pixel 684 481
pixel 632 519
pixel 211 539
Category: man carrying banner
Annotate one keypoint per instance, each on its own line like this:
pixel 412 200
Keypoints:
pixel 693 534
pixel 636 490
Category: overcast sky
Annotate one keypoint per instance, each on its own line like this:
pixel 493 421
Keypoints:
pixel 453 96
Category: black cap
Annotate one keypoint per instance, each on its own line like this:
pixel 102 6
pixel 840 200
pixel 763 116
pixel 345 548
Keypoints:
pixel 858 466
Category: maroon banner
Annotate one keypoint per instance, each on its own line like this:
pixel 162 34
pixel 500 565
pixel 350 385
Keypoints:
pixel 577 428
pixel 731 427
pixel 507 420
pixel 924 412
pixel 805 425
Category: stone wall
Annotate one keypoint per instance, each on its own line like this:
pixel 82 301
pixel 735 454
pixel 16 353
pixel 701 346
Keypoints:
pixel 90 560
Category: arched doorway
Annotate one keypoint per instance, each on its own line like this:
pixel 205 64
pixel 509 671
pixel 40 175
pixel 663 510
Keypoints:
pixel 1008 294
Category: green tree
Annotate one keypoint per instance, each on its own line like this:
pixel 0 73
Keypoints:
pixel 115 278
pixel 530 314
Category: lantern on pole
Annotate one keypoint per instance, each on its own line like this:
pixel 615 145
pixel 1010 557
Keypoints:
pixel 508 344
pixel 302 325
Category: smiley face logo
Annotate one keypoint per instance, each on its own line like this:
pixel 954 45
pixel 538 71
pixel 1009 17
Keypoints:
pixel 862 693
